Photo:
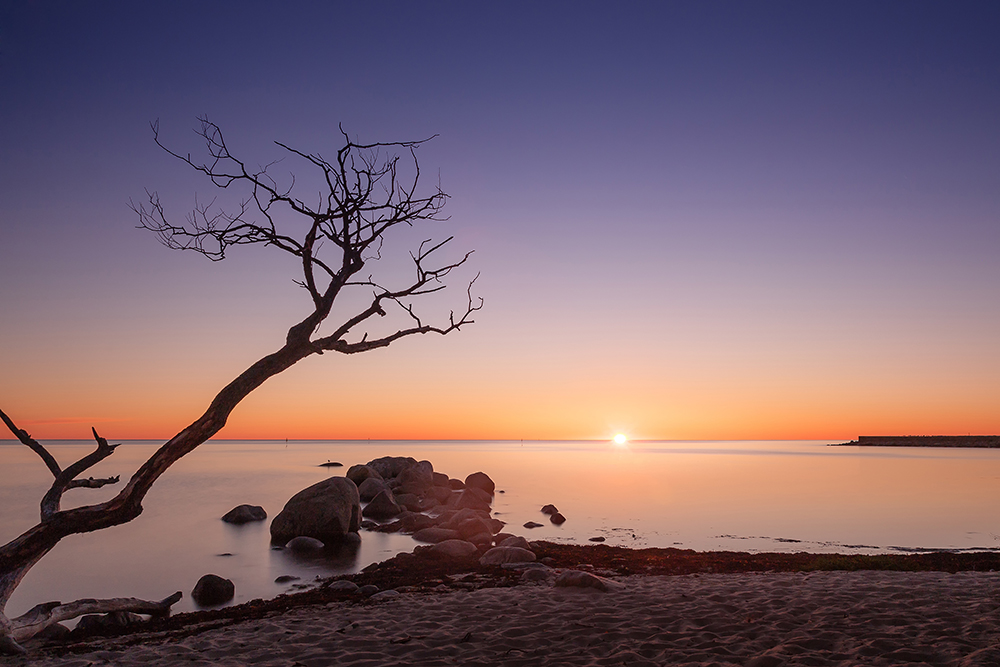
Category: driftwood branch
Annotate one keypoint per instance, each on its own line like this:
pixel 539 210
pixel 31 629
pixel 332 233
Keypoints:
pixel 41 616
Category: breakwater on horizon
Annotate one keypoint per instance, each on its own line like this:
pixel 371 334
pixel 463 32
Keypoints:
pixel 981 441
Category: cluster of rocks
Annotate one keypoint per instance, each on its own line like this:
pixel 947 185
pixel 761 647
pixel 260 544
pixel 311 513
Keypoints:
pixel 451 517
pixel 401 495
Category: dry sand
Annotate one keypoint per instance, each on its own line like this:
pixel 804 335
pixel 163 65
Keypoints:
pixel 819 618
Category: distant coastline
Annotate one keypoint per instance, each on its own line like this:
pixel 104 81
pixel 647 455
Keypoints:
pixel 970 441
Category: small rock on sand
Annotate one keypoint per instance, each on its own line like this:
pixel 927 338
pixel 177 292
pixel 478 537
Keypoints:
pixel 536 574
pixel 597 539
pixel 532 524
pixel 383 595
pixel 578 579
pixel 343 585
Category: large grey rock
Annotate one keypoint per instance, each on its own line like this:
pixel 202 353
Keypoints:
pixel 417 479
pixel 470 499
pixel 245 514
pixel 480 480
pixel 328 510
pixel 453 550
pixel 501 555
pixel 360 473
pixel 212 589
pixel 440 493
pixel 371 487
pixel 474 526
pixel 452 518
pixel 411 501
pixel 391 466
pixel 382 506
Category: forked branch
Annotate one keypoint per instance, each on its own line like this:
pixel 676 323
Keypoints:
pixel 64 479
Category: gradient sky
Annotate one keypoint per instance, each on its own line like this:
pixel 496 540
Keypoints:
pixel 704 220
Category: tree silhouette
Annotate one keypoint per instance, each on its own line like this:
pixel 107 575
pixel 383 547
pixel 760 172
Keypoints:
pixel 368 190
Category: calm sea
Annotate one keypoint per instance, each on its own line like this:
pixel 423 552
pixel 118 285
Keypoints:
pixel 742 496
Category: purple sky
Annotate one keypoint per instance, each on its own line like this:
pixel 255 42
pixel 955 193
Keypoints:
pixel 693 220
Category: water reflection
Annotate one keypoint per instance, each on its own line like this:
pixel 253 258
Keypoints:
pixel 747 496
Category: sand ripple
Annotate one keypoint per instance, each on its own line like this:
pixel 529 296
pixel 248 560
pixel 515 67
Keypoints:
pixel 759 620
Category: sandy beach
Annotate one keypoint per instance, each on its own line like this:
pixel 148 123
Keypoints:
pixel 760 619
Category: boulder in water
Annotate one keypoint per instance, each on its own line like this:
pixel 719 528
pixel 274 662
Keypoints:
pixel 212 589
pixel 382 506
pixel 327 511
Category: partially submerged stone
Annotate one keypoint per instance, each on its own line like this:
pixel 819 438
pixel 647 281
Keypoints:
pixel 480 480
pixel 303 545
pixel 244 514
pixel 212 590
pixel 382 506
pixel 327 511
pixel 436 534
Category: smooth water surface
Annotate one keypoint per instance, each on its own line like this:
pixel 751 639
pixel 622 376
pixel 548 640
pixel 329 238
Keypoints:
pixel 741 496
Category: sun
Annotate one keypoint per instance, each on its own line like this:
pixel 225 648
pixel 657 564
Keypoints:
pixel 620 439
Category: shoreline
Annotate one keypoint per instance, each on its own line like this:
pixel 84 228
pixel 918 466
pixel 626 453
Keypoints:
pixel 415 576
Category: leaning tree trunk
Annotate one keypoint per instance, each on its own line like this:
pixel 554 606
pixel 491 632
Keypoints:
pixel 18 556
pixel 367 195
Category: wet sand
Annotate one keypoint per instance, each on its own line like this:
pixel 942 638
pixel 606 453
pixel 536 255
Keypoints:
pixel 759 619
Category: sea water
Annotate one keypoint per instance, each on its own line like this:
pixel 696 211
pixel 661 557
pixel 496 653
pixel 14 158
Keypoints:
pixel 736 496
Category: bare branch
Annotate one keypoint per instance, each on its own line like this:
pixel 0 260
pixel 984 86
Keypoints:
pixel 67 478
pixel 34 445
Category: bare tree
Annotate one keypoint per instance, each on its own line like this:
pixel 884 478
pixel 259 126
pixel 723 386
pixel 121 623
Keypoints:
pixel 367 191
